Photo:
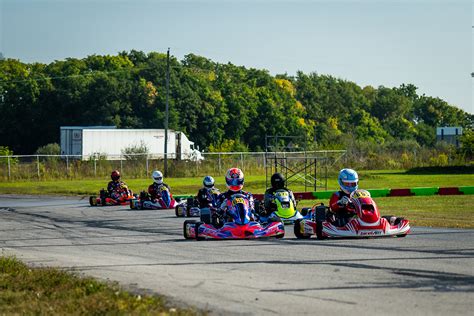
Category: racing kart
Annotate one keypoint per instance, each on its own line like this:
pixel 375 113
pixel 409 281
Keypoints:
pixel 365 222
pixel 285 210
pixel 106 199
pixel 237 223
pixel 191 207
pixel 145 202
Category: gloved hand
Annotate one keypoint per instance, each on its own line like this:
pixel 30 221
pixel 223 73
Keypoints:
pixel 343 201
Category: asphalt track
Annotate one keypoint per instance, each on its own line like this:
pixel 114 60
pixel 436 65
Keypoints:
pixel 430 272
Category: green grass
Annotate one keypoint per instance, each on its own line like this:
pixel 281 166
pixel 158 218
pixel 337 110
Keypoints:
pixel 50 291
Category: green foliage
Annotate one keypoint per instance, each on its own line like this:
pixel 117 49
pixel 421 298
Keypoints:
pixel 210 102
pixel 49 149
pixel 467 143
pixel 136 152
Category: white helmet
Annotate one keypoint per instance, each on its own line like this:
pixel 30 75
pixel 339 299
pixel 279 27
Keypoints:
pixel 157 177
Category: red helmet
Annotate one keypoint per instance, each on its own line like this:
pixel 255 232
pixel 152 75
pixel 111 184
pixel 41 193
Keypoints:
pixel 234 178
pixel 365 207
pixel 115 175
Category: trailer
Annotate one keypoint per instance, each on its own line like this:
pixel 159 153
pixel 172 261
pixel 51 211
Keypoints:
pixel 110 143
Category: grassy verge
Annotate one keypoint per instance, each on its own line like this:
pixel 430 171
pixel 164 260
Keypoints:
pixel 42 291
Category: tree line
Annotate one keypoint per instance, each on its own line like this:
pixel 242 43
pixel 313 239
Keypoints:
pixel 221 107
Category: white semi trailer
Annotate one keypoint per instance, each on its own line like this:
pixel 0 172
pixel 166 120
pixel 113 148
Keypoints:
pixel 107 141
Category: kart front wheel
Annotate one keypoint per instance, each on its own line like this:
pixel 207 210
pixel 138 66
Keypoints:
pixel 297 230
pixel 185 230
pixel 196 230
pixel 92 201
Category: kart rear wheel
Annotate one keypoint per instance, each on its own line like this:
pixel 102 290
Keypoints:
pixel 297 230
pixel 319 230
pixel 185 231
pixel 132 205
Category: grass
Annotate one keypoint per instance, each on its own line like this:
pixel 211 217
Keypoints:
pixel 439 211
pixel 25 290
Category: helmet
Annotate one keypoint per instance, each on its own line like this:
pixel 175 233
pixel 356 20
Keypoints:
pixel 208 181
pixel 157 177
pixel 348 180
pixel 278 181
pixel 115 175
pixel 234 178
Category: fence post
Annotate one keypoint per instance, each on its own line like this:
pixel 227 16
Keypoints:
pixel 242 161
pixel 219 163
pixel 67 166
pixel 38 165
pixel 147 165
pixel 121 166
pixel 9 170
pixel 95 166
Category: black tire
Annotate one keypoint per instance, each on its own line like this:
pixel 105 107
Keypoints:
pixel 205 215
pixel 304 211
pixel 92 200
pixel 184 229
pixel 402 235
pixel 319 230
pixel 176 211
pixel 297 230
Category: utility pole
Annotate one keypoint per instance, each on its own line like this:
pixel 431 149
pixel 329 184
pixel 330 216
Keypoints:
pixel 166 111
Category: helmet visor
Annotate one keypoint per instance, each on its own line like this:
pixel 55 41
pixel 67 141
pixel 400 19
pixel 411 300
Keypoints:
pixel 349 184
pixel 234 181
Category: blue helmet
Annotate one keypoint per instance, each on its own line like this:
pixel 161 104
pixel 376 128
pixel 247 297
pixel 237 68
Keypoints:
pixel 208 181
pixel 348 180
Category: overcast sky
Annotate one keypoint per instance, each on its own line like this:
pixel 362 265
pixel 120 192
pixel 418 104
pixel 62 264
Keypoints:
pixel 387 42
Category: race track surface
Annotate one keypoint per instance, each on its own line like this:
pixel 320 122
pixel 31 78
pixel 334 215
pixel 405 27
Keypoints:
pixel 430 272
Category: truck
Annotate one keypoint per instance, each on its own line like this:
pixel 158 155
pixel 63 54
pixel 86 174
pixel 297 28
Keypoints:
pixel 110 143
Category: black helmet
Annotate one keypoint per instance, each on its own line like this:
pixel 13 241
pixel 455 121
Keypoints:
pixel 278 181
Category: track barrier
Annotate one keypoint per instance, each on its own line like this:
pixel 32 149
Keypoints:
pixel 322 195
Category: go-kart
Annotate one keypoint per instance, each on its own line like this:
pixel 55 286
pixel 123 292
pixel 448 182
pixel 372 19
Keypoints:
pixel 236 223
pixel 285 210
pixel 191 208
pixel 145 202
pixel 365 222
pixel 116 198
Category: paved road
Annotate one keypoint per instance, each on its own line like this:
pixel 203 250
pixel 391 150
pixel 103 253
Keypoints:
pixel 430 272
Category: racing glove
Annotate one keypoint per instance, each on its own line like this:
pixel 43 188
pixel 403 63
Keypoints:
pixel 343 201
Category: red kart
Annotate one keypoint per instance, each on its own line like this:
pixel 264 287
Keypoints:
pixel 105 199
pixel 239 224
pixel 366 221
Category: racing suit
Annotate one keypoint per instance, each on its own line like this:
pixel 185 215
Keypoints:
pixel 155 190
pixel 224 197
pixel 116 188
pixel 341 211
pixel 269 200
pixel 203 198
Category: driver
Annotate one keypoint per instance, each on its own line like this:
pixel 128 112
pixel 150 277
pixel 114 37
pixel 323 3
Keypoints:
pixel 116 187
pixel 234 179
pixel 155 188
pixel 340 208
pixel 278 183
pixel 203 193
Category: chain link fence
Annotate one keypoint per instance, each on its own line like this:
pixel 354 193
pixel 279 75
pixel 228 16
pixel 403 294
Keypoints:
pixel 51 167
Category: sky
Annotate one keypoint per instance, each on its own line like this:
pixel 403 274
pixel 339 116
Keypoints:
pixel 427 43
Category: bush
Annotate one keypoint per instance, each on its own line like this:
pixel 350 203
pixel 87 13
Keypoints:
pixel 136 152
pixel 49 149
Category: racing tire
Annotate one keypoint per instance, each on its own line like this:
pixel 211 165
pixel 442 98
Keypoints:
pixel 185 231
pixel 92 201
pixel 319 230
pixel 196 229
pixel 297 230
pixel 402 235
pixel 304 211
pixel 205 215
pixel 176 211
